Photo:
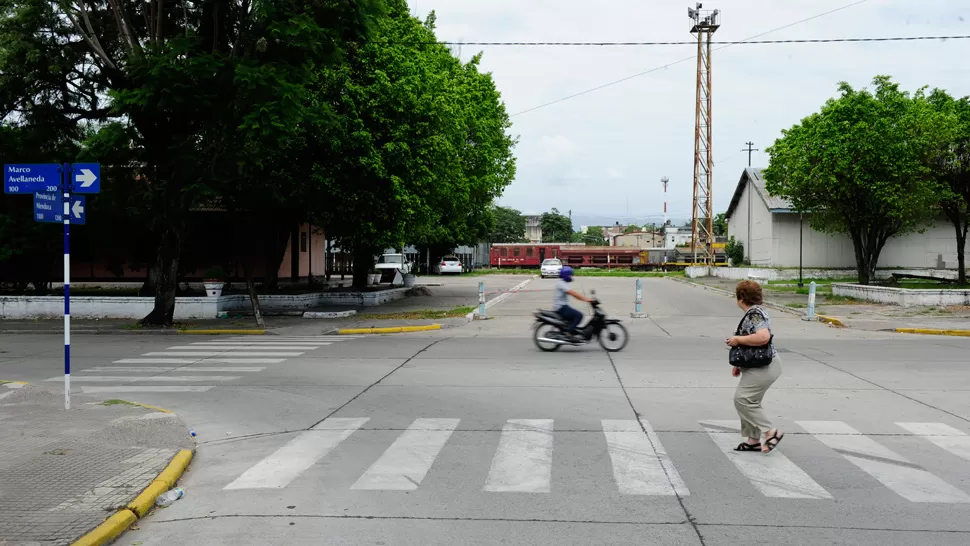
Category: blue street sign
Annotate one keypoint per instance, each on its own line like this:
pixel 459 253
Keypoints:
pixel 49 207
pixel 87 178
pixel 31 178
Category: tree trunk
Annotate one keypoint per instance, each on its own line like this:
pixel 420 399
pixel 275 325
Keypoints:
pixel 274 250
pixel 253 296
pixel 363 263
pixel 166 280
pixel 868 244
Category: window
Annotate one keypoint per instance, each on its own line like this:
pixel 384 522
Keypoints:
pixel 505 252
pixel 551 261
pixel 528 252
pixel 391 259
pixel 515 251
pixel 302 242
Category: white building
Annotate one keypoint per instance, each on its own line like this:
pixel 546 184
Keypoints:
pixel 533 228
pixel 771 236
pixel 674 236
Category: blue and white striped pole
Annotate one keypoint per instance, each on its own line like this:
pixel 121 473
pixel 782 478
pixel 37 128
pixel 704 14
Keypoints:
pixel 481 299
pixel 811 300
pixel 67 179
pixel 639 300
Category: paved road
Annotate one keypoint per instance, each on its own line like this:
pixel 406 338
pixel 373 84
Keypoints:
pixel 472 436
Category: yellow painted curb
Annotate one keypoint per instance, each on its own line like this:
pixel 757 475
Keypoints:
pixel 224 332
pixel 831 320
pixel 391 330
pixel 114 526
pixel 110 529
pixel 5 381
pixel 156 408
pixel 933 332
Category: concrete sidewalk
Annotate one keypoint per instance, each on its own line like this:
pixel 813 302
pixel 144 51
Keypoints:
pixel 63 472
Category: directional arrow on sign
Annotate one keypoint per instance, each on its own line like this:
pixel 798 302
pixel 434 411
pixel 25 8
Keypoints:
pixel 78 210
pixel 86 178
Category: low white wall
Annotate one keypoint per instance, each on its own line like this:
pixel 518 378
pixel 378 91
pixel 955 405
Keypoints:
pixel 905 297
pixel 741 273
pixel 106 307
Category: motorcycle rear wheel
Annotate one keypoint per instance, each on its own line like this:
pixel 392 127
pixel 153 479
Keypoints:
pixel 545 331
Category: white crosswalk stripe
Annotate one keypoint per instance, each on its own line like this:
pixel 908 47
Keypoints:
pixel 945 436
pixel 523 459
pixel 896 472
pixel 407 461
pixel 197 363
pixel 291 460
pixel 774 476
pixel 523 462
pixel 640 464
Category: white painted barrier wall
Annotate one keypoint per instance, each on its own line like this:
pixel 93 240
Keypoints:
pixel 905 297
pixel 741 273
pixel 106 307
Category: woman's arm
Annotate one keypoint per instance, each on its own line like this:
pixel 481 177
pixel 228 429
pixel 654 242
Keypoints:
pixel 756 339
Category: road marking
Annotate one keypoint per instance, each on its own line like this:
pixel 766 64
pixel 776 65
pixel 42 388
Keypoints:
pixel 639 467
pixel 892 469
pixel 199 360
pixel 223 353
pixel 953 440
pixel 276 339
pixel 408 460
pixel 241 348
pixel 6 394
pixel 773 475
pixel 297 346
pixel 140 388
pixel 160 369
pixel 297 455
pixel 274 342
pixel 523 462
pixel 134 378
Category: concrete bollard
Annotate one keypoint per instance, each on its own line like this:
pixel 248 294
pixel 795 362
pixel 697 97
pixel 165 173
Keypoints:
pixel 481 299
pixel 638 302
pixel 811 301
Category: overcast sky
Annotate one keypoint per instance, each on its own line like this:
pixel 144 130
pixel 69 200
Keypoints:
pixel 603 153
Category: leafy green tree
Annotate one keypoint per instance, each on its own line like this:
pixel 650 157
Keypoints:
pixel 509 226
pixel 556 228
pixel 720 224
pixel 952 168
pixel 861 166
pixel 594 236
pixel 734 250
pixel 632 228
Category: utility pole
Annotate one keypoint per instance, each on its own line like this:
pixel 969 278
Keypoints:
pixel 664 181
pixel 747 243
pixel 704 25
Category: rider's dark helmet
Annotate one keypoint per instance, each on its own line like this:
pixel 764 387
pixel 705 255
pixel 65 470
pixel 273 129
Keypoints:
pixel 566 273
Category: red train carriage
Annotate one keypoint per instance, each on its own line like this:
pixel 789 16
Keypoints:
pixel 522 256
pixel 600 256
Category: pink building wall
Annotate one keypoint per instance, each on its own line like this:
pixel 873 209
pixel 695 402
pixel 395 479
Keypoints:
pixel 311 244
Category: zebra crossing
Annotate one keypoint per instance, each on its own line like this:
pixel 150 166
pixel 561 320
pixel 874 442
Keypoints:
pixel 523 459
pixel 198 366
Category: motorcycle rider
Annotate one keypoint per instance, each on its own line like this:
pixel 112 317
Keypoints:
pixel 560 303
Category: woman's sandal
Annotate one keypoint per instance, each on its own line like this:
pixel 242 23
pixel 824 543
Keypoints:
pixel 771 442
pixel 745 446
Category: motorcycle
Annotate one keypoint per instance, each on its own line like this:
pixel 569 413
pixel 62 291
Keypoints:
pixel 549 330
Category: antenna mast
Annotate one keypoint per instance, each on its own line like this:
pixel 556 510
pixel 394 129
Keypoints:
pixel 704 24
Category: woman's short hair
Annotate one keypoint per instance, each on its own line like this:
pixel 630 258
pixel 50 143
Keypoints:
pixel 749 292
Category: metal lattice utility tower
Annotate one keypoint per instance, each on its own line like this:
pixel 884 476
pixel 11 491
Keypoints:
pixel 704 24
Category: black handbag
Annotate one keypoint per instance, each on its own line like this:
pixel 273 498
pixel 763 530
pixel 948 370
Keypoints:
pixel 747 356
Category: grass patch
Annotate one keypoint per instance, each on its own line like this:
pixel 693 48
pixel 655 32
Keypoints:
pixel 797 305
pixel 845 300
pixel 816 281
pixel 426 314
pixel 118 402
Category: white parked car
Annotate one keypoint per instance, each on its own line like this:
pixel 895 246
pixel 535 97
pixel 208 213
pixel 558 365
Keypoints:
pixel 394 261
pixel 550 268
pixel 449 264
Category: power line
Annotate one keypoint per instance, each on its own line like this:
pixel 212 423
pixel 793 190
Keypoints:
pixel 685 59
pixel 694 42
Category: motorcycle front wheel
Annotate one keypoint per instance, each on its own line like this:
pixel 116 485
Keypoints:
pixel 547 331
pixel 613 337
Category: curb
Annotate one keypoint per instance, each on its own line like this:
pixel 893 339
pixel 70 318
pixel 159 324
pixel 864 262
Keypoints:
pixel 118 523
pixel 779 307
pixel 80 332
pixel 831 320
pixel 389 330
pixel 933 332
pixel 223 332
pixel 329 314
